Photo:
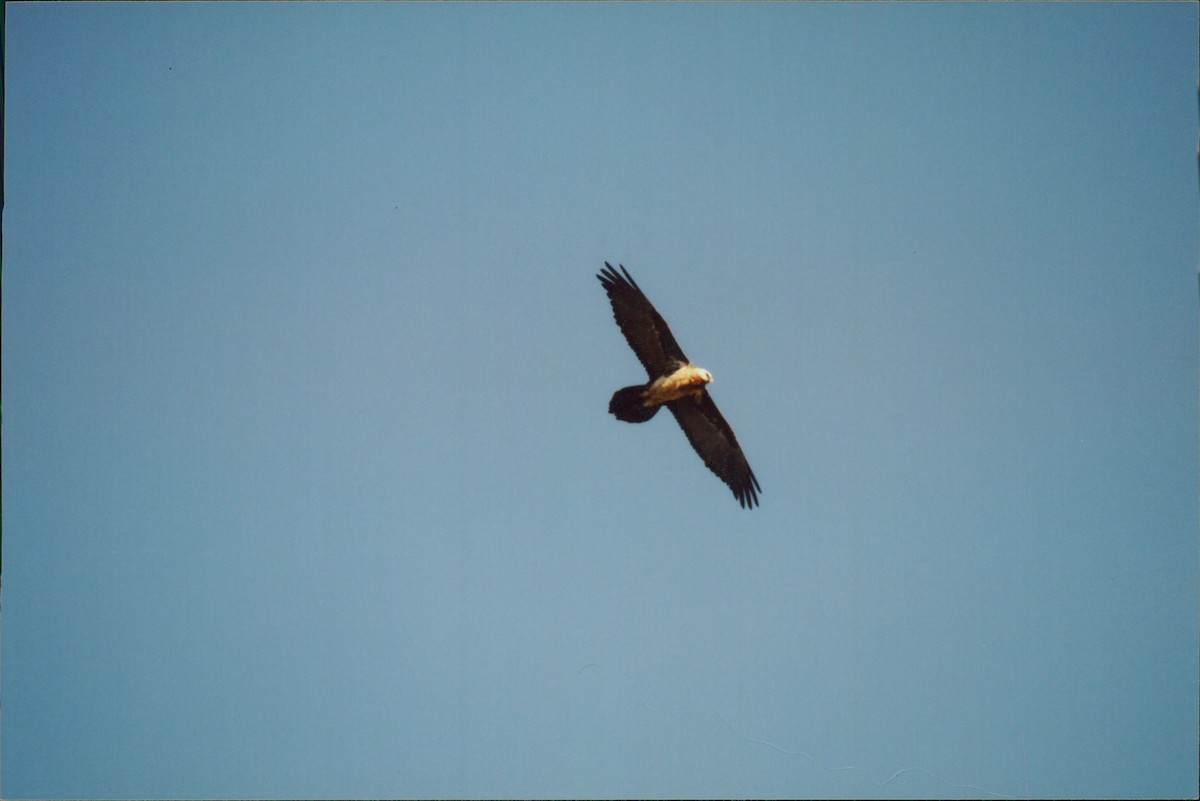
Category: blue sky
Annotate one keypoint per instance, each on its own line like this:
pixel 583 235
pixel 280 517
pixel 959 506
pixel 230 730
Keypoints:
pixel 309 485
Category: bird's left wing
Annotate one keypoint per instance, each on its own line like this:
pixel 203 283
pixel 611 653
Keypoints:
pixel 643 327
pixel 714 440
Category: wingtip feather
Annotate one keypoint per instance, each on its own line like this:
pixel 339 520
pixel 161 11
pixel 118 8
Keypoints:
pixel 629 278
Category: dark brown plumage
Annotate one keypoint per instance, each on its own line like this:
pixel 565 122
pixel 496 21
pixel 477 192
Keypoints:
pixel 675 383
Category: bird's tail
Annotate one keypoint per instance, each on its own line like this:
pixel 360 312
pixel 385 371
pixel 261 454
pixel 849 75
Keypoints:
pixel 628 405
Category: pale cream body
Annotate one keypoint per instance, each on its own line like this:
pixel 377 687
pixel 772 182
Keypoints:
pixel 687 380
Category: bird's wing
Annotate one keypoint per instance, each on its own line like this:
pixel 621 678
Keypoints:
pixel 713 439
pixel 643 327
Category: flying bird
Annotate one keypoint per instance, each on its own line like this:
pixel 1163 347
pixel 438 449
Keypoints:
pixel 675 383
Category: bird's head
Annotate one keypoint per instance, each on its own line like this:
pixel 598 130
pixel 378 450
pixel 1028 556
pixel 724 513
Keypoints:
pixel 705 376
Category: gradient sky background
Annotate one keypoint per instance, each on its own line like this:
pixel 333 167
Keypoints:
pixel 309 484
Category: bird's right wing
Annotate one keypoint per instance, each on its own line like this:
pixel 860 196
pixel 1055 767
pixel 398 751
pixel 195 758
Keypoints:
pixel 643 327
pixel 714 440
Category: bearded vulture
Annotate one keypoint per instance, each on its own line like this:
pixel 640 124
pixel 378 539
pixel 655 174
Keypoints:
pixel 675 383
